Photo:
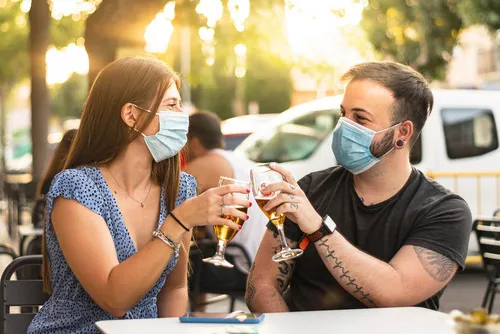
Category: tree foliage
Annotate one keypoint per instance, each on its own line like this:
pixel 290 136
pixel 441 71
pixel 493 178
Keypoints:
pixel 421 34
pixel 267 80
pixel 13 44
pixel 67 98
pixel 485 12
pixel 117 24
pixel 14 60
pixel 66 30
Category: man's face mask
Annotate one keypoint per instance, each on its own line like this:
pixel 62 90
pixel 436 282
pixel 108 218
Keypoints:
pixel 171 137
pixel 351 146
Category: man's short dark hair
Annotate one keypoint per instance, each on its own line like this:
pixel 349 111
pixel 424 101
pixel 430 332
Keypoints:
pixel 413 97
pixel 205 126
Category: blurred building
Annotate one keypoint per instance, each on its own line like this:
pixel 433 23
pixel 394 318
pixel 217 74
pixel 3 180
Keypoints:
pixel 476 60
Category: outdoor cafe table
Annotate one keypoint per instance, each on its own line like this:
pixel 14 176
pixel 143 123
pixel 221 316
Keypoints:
pixel 385 320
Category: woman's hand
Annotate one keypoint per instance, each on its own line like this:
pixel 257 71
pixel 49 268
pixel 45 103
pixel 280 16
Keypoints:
pixel 292 202
pixel 211 207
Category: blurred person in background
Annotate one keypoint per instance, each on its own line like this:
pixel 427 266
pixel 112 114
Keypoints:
pixel 119 216
pixel 55 166
pixel 376 232
pixel 207 162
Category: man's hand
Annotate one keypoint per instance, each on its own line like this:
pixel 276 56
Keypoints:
pixel 293 202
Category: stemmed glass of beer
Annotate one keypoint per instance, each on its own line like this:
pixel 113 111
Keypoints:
pixel 262 176
pixel 225 233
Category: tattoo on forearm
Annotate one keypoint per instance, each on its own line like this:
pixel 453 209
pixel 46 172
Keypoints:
pixel 250 293
pixel 285 268
pixel 357 290
pixel 437 266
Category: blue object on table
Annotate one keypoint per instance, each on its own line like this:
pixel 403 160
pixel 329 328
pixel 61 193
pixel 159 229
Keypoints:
pixel 236 317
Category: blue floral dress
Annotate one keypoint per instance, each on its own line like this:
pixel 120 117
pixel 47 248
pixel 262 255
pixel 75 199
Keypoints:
pixel 70 309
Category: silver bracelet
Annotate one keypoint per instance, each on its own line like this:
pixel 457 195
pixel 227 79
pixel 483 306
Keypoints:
pixel 166 239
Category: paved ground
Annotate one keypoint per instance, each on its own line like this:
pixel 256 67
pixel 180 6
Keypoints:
pixel 464 292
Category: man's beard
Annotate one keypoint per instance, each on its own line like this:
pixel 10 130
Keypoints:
pixel 384 146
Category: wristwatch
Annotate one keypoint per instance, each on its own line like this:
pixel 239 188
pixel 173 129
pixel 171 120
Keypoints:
pixel 327 227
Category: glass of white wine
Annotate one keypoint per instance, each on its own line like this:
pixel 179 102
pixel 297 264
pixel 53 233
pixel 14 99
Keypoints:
pixel 225 233
pixel 262 176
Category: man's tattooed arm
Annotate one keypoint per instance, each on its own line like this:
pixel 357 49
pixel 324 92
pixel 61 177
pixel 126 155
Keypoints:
pixel 267 280
pixel 285 268
pixel 438 266
pixel 342 274
pixel 413 275
pixel 250 291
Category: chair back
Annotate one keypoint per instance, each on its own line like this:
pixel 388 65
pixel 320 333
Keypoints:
pixel 488 238
pixel 21 293
pixel 195 262
pixel 206 248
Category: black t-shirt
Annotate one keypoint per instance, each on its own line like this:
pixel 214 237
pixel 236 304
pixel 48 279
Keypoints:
pixel 423 213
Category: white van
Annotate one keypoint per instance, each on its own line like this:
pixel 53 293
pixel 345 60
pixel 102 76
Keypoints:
pixel 459 145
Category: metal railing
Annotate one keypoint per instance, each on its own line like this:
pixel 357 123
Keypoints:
pixel 478 176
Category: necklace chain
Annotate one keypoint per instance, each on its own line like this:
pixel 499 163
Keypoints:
pixel 141 203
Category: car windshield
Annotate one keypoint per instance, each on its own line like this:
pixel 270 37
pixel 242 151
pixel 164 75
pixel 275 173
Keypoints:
pixel 232 141
pixel 291 141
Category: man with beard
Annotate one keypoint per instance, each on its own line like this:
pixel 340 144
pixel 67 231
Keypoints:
pixel 375 231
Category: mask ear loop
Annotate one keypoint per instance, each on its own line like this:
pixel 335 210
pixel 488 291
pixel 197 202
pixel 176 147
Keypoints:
pixel 139 132
pixel 146 110
pixel 392 148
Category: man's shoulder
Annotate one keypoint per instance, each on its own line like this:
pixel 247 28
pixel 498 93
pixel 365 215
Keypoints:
pixel 433 190
pixel 433 197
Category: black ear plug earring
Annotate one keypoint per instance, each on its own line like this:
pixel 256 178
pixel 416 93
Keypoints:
pixel 400 143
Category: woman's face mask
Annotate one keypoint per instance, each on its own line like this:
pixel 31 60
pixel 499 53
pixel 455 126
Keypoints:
pixel 351 146
pixel 171 137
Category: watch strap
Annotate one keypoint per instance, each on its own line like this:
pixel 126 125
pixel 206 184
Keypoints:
pixel 315 236
pixel 322 231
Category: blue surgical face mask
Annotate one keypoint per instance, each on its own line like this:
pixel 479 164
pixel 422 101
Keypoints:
pixel 351 146
pixel 171 137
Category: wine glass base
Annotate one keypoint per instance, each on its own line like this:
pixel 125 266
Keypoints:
pixel 287 254
pixel 218 261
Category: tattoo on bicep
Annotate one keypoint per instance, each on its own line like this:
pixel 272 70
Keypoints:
pixel 437 266
pixel 350 282
pixel 250 293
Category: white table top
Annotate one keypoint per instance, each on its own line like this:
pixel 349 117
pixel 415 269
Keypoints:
pixel 390 320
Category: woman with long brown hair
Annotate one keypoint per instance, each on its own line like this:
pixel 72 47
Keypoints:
pixel 119 217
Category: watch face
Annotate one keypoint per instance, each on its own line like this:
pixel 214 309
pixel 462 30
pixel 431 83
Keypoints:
pixel 329 223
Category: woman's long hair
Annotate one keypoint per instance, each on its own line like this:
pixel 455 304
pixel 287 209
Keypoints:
pixel 57 163
pixel 102 135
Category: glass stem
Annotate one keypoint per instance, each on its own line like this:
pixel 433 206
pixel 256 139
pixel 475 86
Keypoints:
pixel 281 232
pixel 221 248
